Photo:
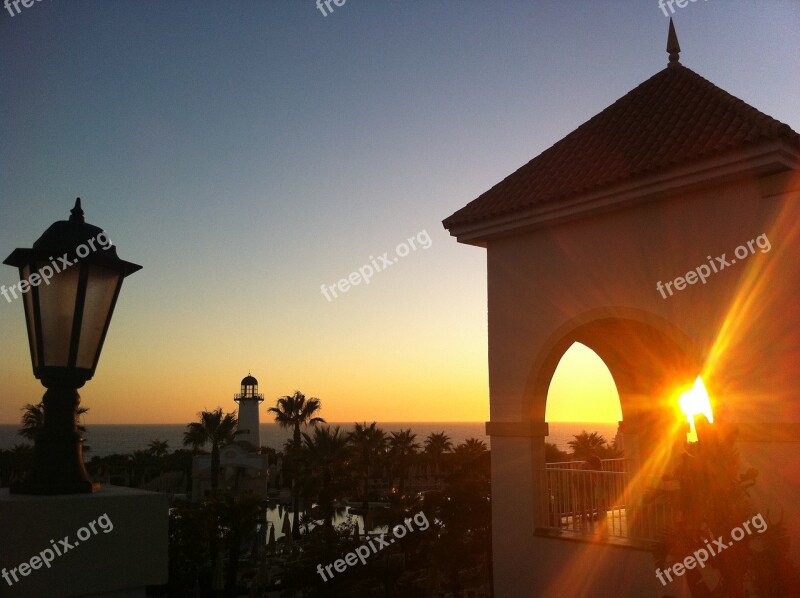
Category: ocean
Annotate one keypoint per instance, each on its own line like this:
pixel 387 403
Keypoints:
pixel 106 439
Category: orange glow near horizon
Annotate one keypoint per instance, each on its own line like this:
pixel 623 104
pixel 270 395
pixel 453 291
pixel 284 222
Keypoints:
pixel 449 385
pixel 582 389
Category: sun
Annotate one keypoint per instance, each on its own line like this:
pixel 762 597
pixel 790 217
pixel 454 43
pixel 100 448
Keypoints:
pixel 695 401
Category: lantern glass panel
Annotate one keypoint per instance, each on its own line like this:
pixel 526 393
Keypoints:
pixel 29 319
pixel 57 306
pixel 100 291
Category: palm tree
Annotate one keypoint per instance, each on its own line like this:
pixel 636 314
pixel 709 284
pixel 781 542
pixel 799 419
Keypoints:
pixel 142 464
pixel 33 420
pixel 238 515
pixel 472 447
pixel 584 444
pixel 327 455
pixel 436 444
pixel 158 448
pixel 368 442
pixel 213 427
pixel 403 448
pixel 294 411
pixel 553 454
pixel 469 453
pixel 462 512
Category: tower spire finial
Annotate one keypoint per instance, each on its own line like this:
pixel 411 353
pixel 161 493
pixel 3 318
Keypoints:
pixel 673 47
pixel 76 212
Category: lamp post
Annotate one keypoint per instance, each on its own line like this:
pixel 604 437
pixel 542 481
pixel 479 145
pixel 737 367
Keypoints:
pixel 69 280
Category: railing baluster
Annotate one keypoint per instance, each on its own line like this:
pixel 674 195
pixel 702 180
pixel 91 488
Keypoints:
pixel 597 502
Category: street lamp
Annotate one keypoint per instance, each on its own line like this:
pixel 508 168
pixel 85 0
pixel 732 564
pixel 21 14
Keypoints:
pixel 69 281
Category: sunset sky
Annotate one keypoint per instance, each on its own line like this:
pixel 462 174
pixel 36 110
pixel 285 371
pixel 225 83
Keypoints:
pixel 246 153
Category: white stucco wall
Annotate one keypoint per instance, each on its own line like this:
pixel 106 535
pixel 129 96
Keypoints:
pixel 743 325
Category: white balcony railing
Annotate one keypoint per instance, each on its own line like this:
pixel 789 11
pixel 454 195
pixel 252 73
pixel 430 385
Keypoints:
pixel 599 502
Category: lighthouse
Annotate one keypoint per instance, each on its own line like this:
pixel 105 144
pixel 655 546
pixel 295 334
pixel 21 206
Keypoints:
pixel 249 400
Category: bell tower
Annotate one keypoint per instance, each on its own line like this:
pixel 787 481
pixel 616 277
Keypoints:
pixel 249 420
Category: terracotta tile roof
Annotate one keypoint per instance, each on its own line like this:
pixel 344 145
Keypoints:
pixel 674 117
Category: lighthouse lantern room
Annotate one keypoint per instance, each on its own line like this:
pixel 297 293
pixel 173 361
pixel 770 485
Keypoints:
pixel 249 401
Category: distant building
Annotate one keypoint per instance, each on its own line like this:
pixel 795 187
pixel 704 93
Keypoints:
pixel 243 467
pixel 249 419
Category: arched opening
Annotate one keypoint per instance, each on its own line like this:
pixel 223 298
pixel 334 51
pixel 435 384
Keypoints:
pixel 582 405
pixel 585 467
pixel 612 369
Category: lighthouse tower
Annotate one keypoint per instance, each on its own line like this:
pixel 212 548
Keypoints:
pixel 249 420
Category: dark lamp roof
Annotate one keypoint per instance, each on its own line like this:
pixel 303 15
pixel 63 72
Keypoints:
pixel 249 381
pixel 64 237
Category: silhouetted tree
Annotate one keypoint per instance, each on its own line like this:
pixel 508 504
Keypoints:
pixel 553 454
pixel 158 448
pixel 369 443
pixel 584 445
pixel 238 516
pixel 402 449
pixel 470 450
pixel 214 428
pixel 711 498
pixel 327 454
pixel 436 444
pixel 33 420
pixel 463 513
pixel 296 411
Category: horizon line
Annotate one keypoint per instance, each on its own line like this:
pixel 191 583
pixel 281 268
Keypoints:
pixel 480 421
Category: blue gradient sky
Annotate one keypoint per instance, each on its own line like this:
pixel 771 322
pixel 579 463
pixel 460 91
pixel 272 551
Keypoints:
pixel 247 152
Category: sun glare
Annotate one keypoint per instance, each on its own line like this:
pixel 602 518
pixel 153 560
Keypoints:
pixel 693 402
